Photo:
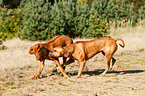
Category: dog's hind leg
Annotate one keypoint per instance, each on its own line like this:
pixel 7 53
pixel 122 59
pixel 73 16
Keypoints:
pixel 108 59
pixel 113 62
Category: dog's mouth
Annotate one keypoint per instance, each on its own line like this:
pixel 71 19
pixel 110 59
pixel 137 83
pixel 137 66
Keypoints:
pixel 50 54
pixel 39 59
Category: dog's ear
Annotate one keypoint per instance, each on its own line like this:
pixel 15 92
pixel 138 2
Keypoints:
pixel 40 46
pixel 31 51
pixel 66 53
pixel 51 46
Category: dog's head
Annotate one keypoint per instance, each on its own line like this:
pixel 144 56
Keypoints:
pixel 66 51
pixel 40 51
pixel 59 52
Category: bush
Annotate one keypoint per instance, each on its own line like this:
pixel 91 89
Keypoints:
pixel 97 27
pixel 74 20
pixel 3 47
pixel 42 22
pixel 114 11
pixel 10 23
pixel 142 12
pixel 69 18
pixel 36 21
pixel 81 19
pixel 97 24
pixel 24 3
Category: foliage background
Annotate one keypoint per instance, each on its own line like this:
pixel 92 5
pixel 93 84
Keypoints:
pixel 44 19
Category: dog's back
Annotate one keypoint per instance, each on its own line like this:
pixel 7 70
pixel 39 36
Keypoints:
pixel 40 49
pixel 62 41
pixel 93 47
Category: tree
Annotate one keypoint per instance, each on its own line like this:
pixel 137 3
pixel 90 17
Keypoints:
pixel 68 18
pixel 97 22
pixel 36 20
pixel 11 3
pixel 142 13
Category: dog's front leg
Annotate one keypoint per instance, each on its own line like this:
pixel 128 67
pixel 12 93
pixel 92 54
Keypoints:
pixel 41 66
pixel 81 69
pixel 52 68
pixel 64 60
pixel 61 69
pixel 65 64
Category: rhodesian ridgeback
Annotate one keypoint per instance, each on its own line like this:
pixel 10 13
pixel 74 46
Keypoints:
pixel 41 51
pixel 84 50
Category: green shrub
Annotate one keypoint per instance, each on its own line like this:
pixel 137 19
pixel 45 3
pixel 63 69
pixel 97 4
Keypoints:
pixel 142 13
pixel 97 27
pixel 11 3
pixel 58 22
pixel 10 23
pixel 3 47
pixel 69 18
pixel 42 22
pixel 36 20
pixel 23 3
pixel 82 16
pixel 114 10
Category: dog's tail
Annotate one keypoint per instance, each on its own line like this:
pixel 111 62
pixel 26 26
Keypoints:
pixel 123 44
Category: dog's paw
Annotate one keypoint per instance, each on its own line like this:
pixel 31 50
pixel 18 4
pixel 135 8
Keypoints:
pixel 66 77
pixel 59 74
pixel 34 77
pixel 102 74
pixel 76 76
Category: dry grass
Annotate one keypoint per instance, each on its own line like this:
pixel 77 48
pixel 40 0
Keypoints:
pixel 133 37
pixel 127 79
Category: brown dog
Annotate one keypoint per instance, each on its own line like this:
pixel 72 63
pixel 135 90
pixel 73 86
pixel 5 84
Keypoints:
pixel 41 51
pixel 84 50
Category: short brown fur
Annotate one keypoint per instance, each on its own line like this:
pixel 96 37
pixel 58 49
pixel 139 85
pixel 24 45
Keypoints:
pixel 84 50
pixel 41 51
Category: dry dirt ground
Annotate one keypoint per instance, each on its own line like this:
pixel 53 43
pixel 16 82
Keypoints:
pixel 127 78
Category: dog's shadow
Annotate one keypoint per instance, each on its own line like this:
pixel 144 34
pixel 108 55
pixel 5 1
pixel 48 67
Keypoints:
pixel 99 71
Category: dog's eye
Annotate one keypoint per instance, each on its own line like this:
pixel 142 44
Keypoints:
pixel 48 51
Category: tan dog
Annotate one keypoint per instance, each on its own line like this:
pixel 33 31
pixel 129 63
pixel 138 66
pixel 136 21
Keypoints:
pixel 41 52
pixel 84 50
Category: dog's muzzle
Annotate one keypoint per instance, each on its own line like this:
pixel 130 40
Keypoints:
pixel 50 54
